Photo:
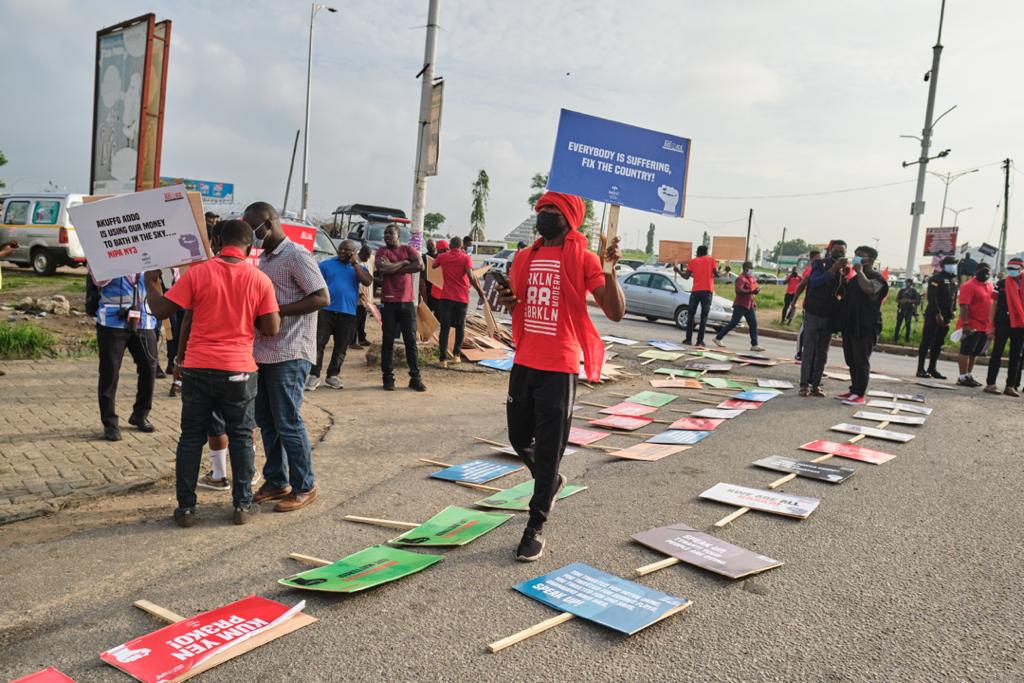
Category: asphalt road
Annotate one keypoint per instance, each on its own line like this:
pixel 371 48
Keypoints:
pixel 909 571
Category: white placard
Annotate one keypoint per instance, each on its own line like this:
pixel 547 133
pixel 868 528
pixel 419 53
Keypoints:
pixel 133 233
pixel 902 407
pixel 893 419
pixel 873 432
pixel 760 499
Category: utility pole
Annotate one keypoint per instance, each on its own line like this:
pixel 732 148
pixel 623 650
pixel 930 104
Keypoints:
pixel 1001 263
pixel 291 167
pixel 746 243
pixel 419 186
pixel 314 8
pixel 782 251
pixel 926 140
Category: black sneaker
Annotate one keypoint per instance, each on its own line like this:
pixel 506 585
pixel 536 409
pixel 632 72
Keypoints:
pixel 143 424
pixel 160 374
pixel 184 517
pixel 936 374
pixel 531 547
pixel 111 433
pixel 922 374
pixel 968 382
pixel 389 385
pixel 416 384
pixel 245 513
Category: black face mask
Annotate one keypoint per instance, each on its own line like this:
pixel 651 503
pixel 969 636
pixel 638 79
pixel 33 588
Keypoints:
pixel 548 225
pixel 982 276
pixel 836 255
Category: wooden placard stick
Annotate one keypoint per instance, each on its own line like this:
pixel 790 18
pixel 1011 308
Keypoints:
pixel 480 487
pixel 488 441
pixel 534 630
pixel 648 361
pixel 595 405
pixel 656 566
pixel 309 559
pixel 389 523
pixel 706 401
pixel 435 462
pixel 610 233
pixel 161 613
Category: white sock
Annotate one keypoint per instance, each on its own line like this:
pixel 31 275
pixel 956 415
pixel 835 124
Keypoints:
pixel 220 463
pixel 965 376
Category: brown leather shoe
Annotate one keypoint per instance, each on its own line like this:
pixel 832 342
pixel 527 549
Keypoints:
pixel 296 501
pixel 816 391
pixel 991 389
pixel 805 391
pixel 268 492
pixel 1012 391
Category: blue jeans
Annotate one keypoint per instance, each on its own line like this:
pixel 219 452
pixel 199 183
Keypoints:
pixel 279 417
pixel 233 395
pixel 738 313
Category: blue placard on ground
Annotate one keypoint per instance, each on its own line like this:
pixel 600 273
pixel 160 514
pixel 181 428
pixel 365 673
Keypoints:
pixel 475 471
pixel 756 396
pixel 679 437
pixel 594 595
pixel 502 364
pixel 620 164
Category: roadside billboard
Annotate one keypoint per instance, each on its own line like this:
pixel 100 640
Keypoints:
pixel 940 241
pixel 729 248
pixel 673 251
pixel 212 192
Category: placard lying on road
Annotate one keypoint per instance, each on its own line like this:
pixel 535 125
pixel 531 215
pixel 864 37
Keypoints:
pixel 935 385
pixel 722 383
pixel 648 451
pixel 661 355
pixel 895 419
pixel 735 404
pixel 508 450
pixel 133 233
pixel 676 383
pixel 47 675
pixel 679 437
pixel 678 372
pixel 630 409
pixel 902 407
pixel 652 398
pixel 873 432
pixel 666 345
pixel 452 526
pixel 169 653
pixel 607 600
pixel 518 497
pixel 848 450
pixel 696 424
pixel 371 567
pixel 812 470
pixel 504 364
pixel 777 502
pixel 475 471
pixel 624 422
pixel 775 383
pixel 705 551
pixel 718 413
pixel 757 396
pixel 585 437
pixel 619 340
pixel 708 366
pixel 916 398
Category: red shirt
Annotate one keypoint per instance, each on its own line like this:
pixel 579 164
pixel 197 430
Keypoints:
pixel 546 343
pixel 977 296
pixel 746 285
pixel 702 269
pixel 225 300
pixel 453 265
pixel 397 288
pixel 792 282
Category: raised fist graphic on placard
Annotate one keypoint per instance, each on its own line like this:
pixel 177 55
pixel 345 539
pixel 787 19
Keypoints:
pixel 670 196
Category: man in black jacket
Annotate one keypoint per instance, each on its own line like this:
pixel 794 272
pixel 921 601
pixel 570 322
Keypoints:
pixel 937 315
pixel 862 322
pixel 825 290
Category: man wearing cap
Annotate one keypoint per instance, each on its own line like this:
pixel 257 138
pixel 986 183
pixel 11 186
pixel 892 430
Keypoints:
pixel 550 326
pixel 938 314
pixel 975 301
pixel 1008 325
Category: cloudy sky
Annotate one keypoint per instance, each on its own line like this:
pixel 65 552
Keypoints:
pixel 791 97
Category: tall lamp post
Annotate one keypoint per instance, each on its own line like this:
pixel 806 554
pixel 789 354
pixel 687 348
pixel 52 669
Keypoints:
pixel 948 179
pixel 956 214
pixel 305 131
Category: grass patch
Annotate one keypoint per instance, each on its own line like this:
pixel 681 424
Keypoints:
pixel 16 278
pixel 25 340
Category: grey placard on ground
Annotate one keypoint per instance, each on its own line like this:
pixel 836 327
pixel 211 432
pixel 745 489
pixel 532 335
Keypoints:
pixel 705 551
pixel 894 419
pixel 812 470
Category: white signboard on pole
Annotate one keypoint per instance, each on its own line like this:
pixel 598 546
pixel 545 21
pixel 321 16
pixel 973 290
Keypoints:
pixel 133 233
pixel 780 503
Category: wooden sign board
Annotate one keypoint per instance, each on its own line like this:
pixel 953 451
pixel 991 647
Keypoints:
pixel 674 251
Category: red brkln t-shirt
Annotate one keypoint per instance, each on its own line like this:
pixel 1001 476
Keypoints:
pixel 546 343
pixel 702 269
pixel 453 266
pixel 977 296
pixel 225 300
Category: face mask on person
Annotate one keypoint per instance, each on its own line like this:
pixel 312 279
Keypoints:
pixel 838 254
pixel 1013 272
pixel 950 268
pixel 748 271
pixel 548 225
pixel 983 276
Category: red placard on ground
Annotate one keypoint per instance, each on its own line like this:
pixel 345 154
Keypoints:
pixel 622 422
pixel 737 404
pixel 47 675
pixel 168 654
pixel 696 424
pixel 627 408
pixel 848 450
pixel 585 437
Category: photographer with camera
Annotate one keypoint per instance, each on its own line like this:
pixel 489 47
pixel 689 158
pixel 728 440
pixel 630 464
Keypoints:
pixel 123 320
pixel 826 288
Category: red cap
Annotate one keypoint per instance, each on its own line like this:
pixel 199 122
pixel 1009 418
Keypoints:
pixel 568 205
pixel 441 244
pixel 1015 261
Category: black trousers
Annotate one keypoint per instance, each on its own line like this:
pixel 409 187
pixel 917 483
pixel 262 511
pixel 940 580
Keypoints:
pixel 787 307
pixel 172 340
pixel 340 326
pixel 361 324
pixel 1016 339
pixel 111 343
pixel 857 351
pixel 453 314
pixel 702 299
pixel 539 414
pixel 933 336
pixel 404 316
pixel 904 319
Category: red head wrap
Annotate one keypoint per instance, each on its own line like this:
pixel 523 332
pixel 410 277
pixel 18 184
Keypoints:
pixel 568 205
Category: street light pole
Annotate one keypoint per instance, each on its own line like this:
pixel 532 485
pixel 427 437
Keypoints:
pixel 948 179
pixel 956 214
pixel 419 186
pixel 926 139
pixel 314 8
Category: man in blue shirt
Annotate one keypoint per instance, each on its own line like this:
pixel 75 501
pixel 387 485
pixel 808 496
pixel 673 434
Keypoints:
pixel 338 319
pixel 123 320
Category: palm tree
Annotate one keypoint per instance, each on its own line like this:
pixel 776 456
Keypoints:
pixel 481 192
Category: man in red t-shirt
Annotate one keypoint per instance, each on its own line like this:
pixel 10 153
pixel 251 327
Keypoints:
pixel 792 282
pixel 396 263
pixel 457 268
pixel 703 269
pixel 743 307
pixel 975 299
pixel 229 299
pixel 551 325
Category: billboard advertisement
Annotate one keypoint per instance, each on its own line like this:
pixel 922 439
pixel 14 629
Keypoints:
pixel 211 191
pixel 940 241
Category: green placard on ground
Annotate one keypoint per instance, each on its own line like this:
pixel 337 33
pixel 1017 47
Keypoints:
pixel 678 372
pixel 655 399
pixel 722 383
pixel 661 355
pixel 452 526
pixel 714 355
pixel 518 497
pixel 365 569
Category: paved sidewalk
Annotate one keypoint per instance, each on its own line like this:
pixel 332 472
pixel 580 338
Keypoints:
pixel 52 453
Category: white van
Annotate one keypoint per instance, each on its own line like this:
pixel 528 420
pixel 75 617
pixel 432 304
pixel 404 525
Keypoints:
pixel 40 224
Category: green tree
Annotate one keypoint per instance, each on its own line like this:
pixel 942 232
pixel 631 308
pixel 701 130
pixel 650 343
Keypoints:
pixel 3 161
pixel 433 221
pixel 477 219
pixel 795 247
pixel 650 241
pixel 538 184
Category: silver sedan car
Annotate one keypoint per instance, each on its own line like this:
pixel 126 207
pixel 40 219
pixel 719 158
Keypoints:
pixel 658 295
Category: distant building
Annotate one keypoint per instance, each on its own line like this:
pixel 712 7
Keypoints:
pixel 524 232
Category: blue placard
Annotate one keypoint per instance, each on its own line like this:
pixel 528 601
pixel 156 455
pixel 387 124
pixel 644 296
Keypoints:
pixel 679 437
pixel 620 164
pixel 756 396
pixel 211 191
pixel 502 364
pixel 594 595
pixel 475 471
